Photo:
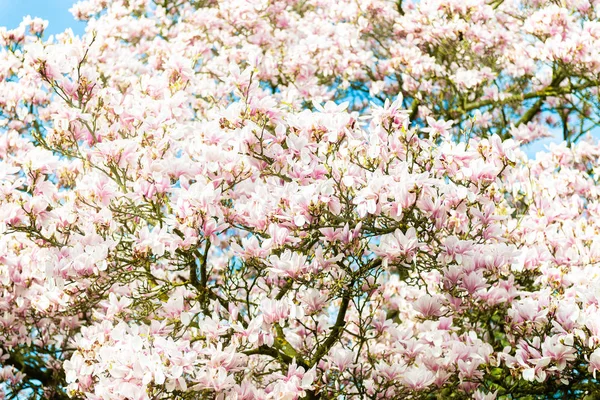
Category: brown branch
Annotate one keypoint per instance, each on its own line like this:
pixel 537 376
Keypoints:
pixel 399 7
pixel 336 330
pixel 543 93
pixel 529 114
pixel 204 273
pixel 281 350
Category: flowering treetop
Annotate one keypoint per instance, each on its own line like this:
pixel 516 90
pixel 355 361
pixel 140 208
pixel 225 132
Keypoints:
pixel 197 202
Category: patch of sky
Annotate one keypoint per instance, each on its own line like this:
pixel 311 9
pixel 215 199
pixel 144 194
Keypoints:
pixel 56 12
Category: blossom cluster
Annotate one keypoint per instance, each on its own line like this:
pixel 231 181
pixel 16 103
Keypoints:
pixel 189 209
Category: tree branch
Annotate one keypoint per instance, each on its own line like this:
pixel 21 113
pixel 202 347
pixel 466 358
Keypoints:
pixel 204 273
pixel 543 93
pixel 48 378
pixel 529 114
pixel 281 350
pixel 336 330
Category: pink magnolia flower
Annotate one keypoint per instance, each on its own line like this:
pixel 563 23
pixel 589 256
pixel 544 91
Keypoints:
pixel 342 359
pixel 278 311
pixel 439 127
pixel 288 264
pixel 398 246
pixel 594 361
pixel 428 306
pixel 418 378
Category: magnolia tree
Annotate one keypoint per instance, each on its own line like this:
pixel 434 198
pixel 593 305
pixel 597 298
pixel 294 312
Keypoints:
pixel 301 199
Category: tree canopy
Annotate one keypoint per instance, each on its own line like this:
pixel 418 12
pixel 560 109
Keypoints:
pixel 301 199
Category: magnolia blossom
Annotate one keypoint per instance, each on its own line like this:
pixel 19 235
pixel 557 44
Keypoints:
pixel 290 264
pixel 314 199
pixel 398 246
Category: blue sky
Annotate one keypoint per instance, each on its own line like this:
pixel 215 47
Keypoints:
pixel 55 11
pixel 541 145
